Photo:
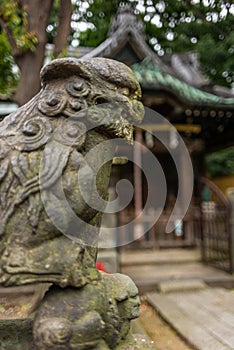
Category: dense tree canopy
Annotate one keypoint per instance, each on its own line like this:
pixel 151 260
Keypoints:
pixel 220 163
pixel 24 26
pixel 206 26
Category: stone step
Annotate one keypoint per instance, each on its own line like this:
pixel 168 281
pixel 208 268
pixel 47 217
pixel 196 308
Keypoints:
pixel 181 286
pixel 148 277
pixel 150 268
pixel 159 257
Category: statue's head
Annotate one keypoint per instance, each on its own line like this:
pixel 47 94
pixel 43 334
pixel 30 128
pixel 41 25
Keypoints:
pixel 125 292
pixel 100 92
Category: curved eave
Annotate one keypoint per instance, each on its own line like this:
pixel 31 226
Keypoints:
pixel 151 77
pixel 113 44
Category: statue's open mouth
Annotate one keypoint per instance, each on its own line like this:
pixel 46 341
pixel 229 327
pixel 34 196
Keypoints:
pixel 115 117
pixel 119 129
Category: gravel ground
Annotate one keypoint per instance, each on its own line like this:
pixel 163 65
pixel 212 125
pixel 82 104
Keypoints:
pixel 159 331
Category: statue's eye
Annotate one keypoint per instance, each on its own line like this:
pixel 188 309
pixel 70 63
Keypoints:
pixel 78 85
pixel 52 102
pixel 77 88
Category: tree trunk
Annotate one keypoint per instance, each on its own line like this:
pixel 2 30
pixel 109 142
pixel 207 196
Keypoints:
pixel 64 25
pixel 30 62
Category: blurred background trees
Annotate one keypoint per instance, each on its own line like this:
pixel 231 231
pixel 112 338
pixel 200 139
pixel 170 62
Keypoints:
pixel 205 26
pixel 220 163
pixel 24 35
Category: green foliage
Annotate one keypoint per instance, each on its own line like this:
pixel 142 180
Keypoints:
pixel 8 79
pixel 222 55
pixel 53 22
pixel 99 13
pixel 221 163
pixel 174 26
pixel 170 26
pixel 15 19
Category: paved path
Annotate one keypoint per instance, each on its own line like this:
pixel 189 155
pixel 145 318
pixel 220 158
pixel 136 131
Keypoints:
pixel 178 286
pixel 205 318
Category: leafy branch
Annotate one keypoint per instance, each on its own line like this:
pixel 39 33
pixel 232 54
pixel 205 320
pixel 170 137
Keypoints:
pixel 13 22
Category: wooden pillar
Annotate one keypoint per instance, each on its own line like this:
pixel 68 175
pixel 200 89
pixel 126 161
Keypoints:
pixel 187 225
pixel 138 229
pixel 185 186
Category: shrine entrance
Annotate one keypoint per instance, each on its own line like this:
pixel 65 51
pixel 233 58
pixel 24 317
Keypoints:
pixel 149 231
pixel 207 225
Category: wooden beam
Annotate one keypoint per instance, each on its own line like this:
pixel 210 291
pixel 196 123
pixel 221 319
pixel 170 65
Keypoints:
pixel 188 128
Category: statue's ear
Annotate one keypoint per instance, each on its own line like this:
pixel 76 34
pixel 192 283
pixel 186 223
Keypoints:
pixel 63 68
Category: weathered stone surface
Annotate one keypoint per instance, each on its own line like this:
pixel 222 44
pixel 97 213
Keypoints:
pixel 55 166
pixel 43 145
pixel 97 316
pixel 16 334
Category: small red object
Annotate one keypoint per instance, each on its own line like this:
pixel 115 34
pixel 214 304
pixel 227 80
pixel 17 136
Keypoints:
pixel 100 266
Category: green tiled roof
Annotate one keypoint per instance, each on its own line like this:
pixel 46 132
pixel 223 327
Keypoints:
pixel 151 76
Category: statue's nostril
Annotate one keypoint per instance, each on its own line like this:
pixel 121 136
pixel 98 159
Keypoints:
pixel 101 100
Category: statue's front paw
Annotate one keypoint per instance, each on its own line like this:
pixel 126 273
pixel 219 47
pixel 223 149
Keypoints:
pixel 52 334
